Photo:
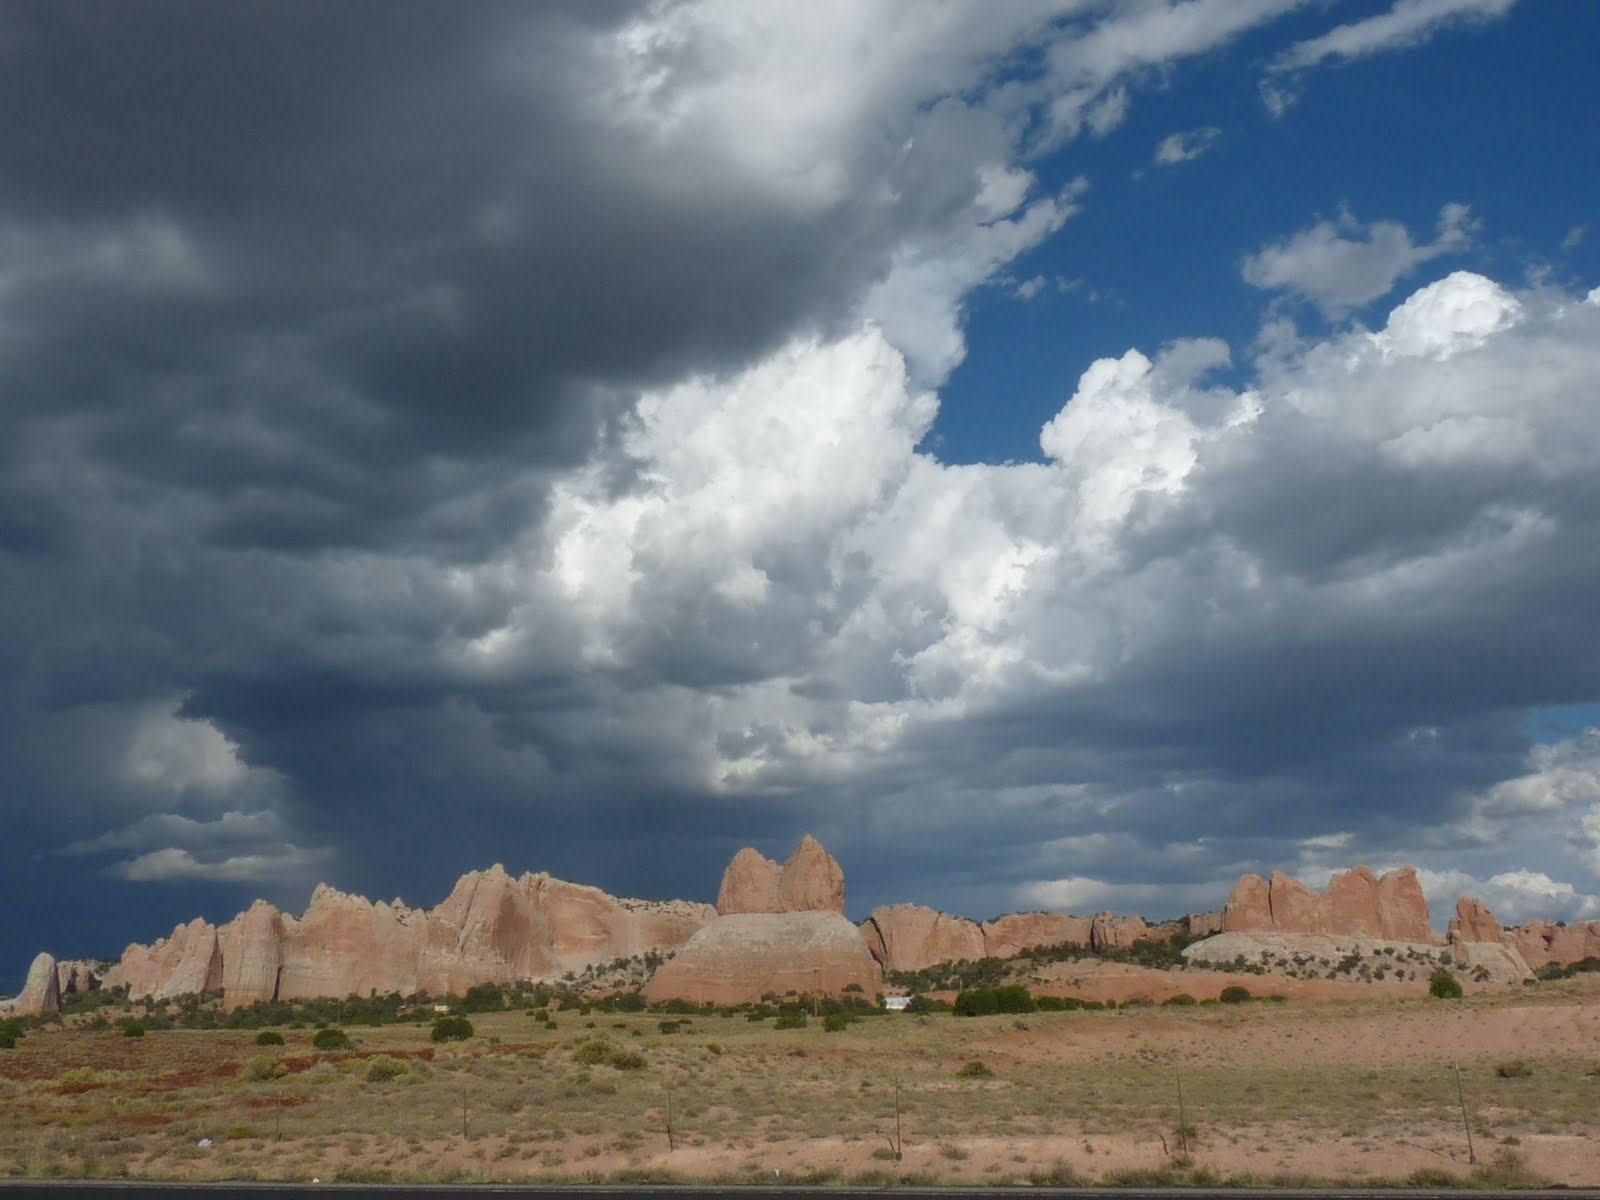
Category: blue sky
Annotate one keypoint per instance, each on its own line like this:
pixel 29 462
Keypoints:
pixel 1062 454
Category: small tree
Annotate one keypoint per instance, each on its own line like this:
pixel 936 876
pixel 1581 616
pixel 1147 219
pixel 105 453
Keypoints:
pixel 790 1020
pixel 452 1029
pixel 1444 986
pixel 1234 994
pixel 269 1037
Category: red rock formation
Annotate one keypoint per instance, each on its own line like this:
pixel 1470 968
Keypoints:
pixel 1015 932
pixel 1111 932
pixel 1294 905
pixel 909 937
pixel 188 960
pixel 1350 904
pixel 1249 907
pixel 490 929
pixel 1356 903
pixel 1402 908
pixel 739 958
pixel 1199 925
pixel 1541 942
pixel 811 881
pixel 41 993
pixel 1474 922
pixel 749 885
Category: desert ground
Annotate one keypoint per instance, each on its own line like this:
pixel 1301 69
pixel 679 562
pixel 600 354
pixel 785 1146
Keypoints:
pixel 1298 1091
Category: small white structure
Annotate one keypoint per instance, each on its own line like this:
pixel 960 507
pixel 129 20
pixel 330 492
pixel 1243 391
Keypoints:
pixel 896 1003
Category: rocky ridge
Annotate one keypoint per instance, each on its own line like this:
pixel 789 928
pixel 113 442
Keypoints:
pixel 491 928
pixel 912 937
pixel 1355 903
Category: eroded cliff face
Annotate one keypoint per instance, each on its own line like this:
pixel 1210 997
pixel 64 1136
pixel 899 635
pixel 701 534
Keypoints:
pixel 490 929
pixel 1537 941
pixel 911 937
pixel 1356 903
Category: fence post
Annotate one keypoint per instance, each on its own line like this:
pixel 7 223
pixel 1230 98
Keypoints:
pixel 1472 1157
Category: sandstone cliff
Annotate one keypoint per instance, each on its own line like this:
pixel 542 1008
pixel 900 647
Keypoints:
pixel 911 937
pixel 1356 903
pixel 1536 941
pixel 490 929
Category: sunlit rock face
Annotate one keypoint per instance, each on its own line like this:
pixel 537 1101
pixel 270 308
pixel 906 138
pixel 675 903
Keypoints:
pixel 1356 903
pixel 490 929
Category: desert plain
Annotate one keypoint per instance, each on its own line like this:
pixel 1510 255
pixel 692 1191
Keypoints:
pixel 1302 1089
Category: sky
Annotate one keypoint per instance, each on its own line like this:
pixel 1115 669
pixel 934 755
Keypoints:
pixel 1062 454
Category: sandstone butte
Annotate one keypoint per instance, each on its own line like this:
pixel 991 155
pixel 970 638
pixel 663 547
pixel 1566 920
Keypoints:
pixel 779 930
pixel 491 928
pixel 1355 902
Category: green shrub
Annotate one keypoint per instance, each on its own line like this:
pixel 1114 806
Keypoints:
pixel 628 1060
pixel 269 1037
pixel 10 1034
pixel 261 1069
pixel 540 1014
pixel 452 1029
pixel 977 1002
pixel 834 1022
pixel 133 1029
pixel 1234 994
pixel 1182 999
pixel 386 1067
pixel 974 1069
pixel 1513 1068
pixel 714 1047
pixel 790 1020
pixel 593 1053
pixel 329 1038
pixel 667 1026
pixel 1444 986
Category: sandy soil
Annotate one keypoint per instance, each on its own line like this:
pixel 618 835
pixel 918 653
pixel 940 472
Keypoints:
pixel 1332 1090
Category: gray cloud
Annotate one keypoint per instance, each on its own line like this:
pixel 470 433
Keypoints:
pixel 460 435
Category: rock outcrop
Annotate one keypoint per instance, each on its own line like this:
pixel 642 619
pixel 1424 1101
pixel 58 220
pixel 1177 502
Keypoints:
pixel 742 957
pixel 749 885
pixel 910 937
pixel 1541 942
pixel 75 975
pixel 1357 903
pixel 188 960
pixel 41 993
pixel 1013 933
pixel 490 929
pixel 1473 922
pixel 780 930
pixel 1537 942
pixel 811 881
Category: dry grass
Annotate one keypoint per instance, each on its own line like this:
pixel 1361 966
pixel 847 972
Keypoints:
pixel 1348 1091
